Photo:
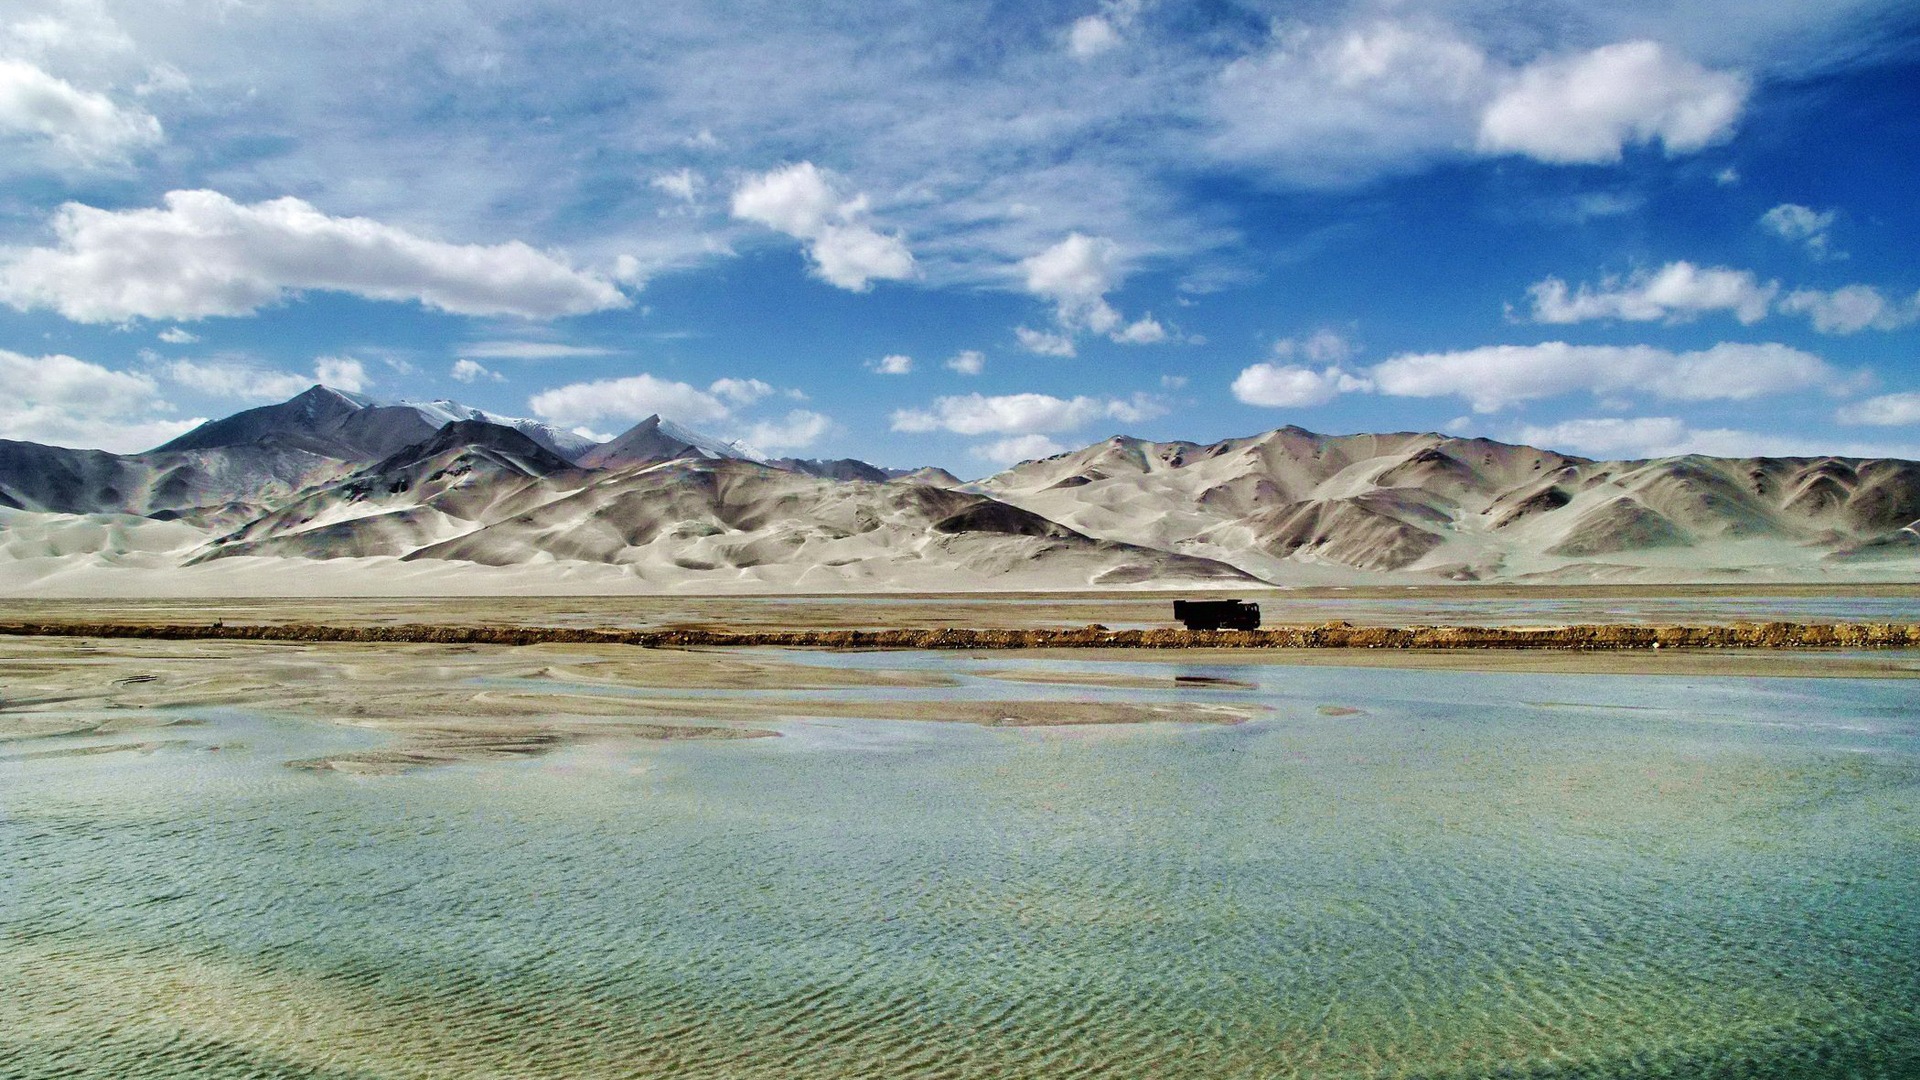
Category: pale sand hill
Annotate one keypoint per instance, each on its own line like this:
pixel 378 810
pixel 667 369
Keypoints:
pixel 482 509
pixel 1292 506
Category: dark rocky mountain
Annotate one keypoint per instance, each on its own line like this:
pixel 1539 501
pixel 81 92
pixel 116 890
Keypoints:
pixel 655 439
pixel 836 469
pixel 320 420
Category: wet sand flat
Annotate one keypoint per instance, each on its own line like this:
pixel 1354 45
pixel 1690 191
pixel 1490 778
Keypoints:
pixel 445 703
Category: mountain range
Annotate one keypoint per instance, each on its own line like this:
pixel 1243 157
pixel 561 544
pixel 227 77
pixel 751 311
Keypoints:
pixel 331 492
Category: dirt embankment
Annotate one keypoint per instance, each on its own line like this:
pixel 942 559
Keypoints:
pixel 1770 635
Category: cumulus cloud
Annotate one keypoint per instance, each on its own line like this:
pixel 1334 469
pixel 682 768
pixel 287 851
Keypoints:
pixel 64 401
pixel 1076 274
pixel 967 362
pixel 72 126
pixel 1640 437
pixel 1329 107
pixel 632 398
pixel 1293 386
pixel 740 391
pixel 1803 225
pixel 1144 331
pixel 1676 292
pixel 1091 35
pixel 803 202
pixel 174 335
pixel 636 397
pixel 1336 106
pixel 1495 377
pixel 1887 410
pixel 203 254
pixel 895 364
pixel 1851 309
pixel 467 371
pixel 237 379
pixel 684 184
pixel 1044 343
pixel 1017 448
pixel 1585 109
pixel 1667 436
pixel 341 373
pixel 1022 414
pixel 799 428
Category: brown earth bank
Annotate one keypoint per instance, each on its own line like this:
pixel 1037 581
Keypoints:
pixel 1474 605
pixel 1332 635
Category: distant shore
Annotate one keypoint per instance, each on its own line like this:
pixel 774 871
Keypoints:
pixel 1331 635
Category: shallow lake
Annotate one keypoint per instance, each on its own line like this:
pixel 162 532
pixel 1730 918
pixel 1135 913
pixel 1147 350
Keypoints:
pixel 1392 874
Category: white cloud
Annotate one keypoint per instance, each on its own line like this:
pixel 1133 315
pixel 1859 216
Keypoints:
pixel 1173 382
pixel 1293 386
pixel 802 202
pixel 237 379
pixel 1143 331
pixel 467 371
pixel 797 200
pixel 1676 292
pixel 1022 414
pixel 853 256
pixel 1321 347
pixel 529 350
pixel 740 391
pixel 79 126
pixel 1497 376
pixel 1586 108
pixel 1666 436
pixel 1887 410
pixel 204 255
pixel 895 364
pixel 174 335
pixel 800 428
pixel 1803 225
pixel 1042 343
pixel 632 398
pixel 1330 107
pixel 968 362
pixel 244 380
pixel 1017 448
pixel 1076 275
pixel 341 373
pixel 1851 309
pixel 684 184
pixel 64 401
pixel 1090 36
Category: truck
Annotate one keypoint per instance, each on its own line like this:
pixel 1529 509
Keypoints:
pixel 1217 614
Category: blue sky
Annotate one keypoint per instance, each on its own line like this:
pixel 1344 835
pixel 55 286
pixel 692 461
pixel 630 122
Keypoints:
pixel 967 233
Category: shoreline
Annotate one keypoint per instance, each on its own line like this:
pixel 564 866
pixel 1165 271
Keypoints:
pixel 1333 635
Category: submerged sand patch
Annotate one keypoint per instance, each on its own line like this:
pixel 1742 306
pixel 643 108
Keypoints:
pixel 448 703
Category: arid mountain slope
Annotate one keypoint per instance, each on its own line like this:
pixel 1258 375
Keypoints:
pixel 1291 505
pixel 486 495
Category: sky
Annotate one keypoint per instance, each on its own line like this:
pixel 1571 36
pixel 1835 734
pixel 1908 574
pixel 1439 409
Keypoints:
pixel 969 233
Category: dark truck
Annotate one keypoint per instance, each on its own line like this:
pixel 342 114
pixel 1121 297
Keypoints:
pixel 1217 614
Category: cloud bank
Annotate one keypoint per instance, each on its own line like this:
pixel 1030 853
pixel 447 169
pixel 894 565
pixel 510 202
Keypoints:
pixel 203 254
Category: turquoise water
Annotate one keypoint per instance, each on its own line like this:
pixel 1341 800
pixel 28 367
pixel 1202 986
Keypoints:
pixel 1394 874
